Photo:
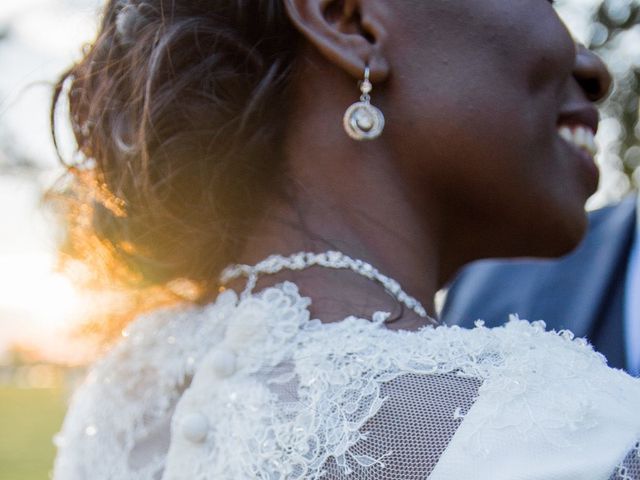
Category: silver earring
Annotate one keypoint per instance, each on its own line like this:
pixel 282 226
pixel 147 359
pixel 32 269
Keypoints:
pixel 363 121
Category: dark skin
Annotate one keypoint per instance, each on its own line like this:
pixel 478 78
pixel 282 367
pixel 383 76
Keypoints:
pixel 470 164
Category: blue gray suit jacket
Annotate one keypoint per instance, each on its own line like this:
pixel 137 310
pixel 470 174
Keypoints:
pixel 582 292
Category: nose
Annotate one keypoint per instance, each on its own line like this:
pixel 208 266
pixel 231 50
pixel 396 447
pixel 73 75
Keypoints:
pixel 591 73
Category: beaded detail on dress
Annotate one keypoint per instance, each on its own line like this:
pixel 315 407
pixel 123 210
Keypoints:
pixel 253 388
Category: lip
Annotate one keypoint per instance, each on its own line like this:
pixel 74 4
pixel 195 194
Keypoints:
pixel 585 164
pixel 585 115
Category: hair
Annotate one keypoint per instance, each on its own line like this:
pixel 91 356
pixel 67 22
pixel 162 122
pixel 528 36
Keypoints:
pixel 178 109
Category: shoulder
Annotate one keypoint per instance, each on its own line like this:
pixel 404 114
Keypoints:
pixel 129 394
pixel 492 395
pixel 119 421
pixel 252 387
pixel 544 395
pixel 615 215
pixel 344 397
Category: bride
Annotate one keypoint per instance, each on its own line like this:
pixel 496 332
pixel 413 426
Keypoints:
pixel 317 170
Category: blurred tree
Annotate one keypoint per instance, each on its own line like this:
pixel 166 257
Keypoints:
pixel 615 36
pixel 18 355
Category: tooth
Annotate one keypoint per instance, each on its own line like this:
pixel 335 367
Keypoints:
pixel 589 144
pixel 576 137
pixel 565 133
pixel 580 137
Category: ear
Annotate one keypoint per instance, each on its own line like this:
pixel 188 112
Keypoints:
pixel 348 33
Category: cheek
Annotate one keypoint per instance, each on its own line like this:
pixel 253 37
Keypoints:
pixel 489 105
pixel 475 128
pixel 495 156
pixel 476 112
pixel 467 154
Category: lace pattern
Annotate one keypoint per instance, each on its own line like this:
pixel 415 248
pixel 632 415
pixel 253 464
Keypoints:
pixel 116 419
pixel 252 388
pixel 629 468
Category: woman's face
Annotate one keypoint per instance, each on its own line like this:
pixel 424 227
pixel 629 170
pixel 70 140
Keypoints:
pixel 477 93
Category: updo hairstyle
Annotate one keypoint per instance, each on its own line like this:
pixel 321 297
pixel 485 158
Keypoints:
pixel 178 109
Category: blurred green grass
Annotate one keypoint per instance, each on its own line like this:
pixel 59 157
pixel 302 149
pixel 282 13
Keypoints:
pixel 29 418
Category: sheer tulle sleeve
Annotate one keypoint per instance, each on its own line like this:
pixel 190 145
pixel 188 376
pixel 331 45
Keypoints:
pixel 629 468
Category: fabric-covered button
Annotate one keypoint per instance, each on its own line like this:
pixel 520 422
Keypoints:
pixel 223 362
pixel 195 427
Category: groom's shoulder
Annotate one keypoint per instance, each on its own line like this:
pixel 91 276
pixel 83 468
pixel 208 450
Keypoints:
pixel 613 216
pixel 517 285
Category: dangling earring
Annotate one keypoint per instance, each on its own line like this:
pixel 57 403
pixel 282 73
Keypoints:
pixel 363 121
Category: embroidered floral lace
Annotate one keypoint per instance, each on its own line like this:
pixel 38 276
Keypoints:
pixel 255 389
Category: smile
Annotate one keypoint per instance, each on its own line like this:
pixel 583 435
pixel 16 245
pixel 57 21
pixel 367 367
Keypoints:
pixel 580 137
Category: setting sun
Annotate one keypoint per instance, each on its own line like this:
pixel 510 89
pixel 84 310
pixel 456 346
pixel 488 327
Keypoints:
pixel 37 305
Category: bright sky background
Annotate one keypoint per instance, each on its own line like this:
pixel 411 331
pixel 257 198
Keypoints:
pixel 37 306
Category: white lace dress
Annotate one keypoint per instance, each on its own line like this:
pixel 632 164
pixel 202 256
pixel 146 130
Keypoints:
pixel 254 389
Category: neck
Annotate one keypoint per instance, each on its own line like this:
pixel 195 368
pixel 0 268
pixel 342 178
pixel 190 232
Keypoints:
pixel 349 196
pixel 373 222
